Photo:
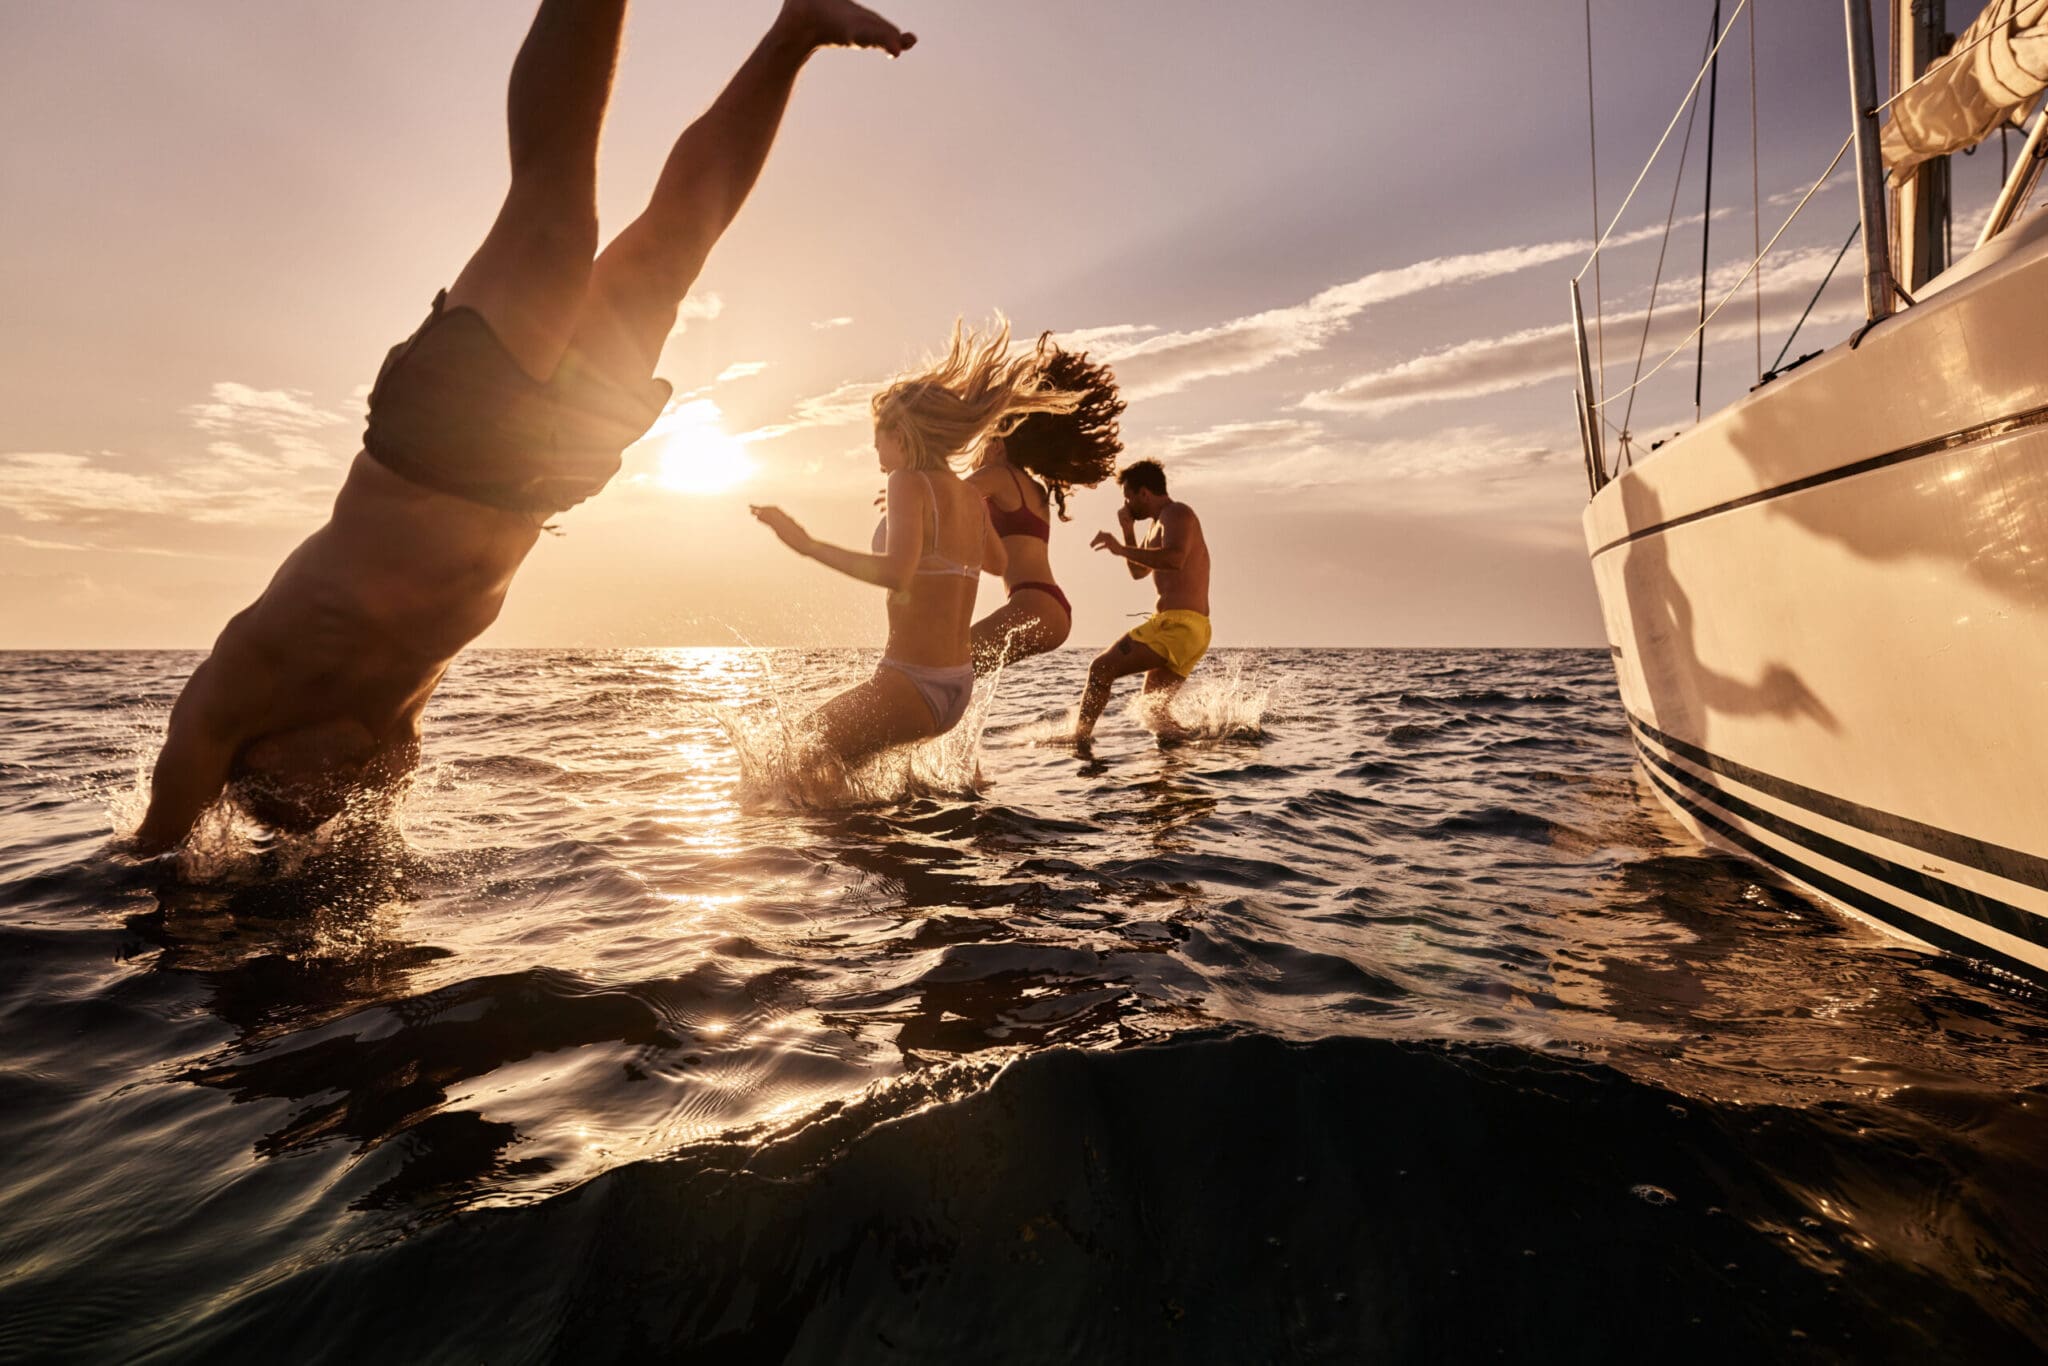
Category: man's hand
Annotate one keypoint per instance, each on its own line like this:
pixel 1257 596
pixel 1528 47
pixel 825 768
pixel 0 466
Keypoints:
pixel 784 526
pixel 1126 520
pixel 1104 541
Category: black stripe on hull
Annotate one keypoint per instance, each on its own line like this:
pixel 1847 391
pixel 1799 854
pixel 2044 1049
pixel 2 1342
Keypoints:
pixel 1999 915
pixel 1947 441
pixel 2013 865
pixel 1876 907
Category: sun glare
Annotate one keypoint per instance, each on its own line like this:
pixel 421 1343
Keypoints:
pixel 697 454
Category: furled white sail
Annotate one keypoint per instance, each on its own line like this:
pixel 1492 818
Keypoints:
pixel 1995 72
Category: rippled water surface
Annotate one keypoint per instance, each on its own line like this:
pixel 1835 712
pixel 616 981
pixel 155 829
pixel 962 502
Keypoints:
pixel 1388 1017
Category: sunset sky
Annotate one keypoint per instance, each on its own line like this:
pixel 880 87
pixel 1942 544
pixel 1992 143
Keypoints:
pixel 1326 245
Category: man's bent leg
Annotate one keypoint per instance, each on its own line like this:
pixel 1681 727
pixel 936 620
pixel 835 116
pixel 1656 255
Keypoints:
pixel 529 276
pixel 1120 660
pixel 1163 683
pixel 639 281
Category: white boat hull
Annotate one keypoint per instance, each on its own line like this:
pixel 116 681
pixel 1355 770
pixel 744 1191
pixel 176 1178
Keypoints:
pixel 1828 608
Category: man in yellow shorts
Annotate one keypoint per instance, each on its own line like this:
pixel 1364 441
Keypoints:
pixel 1174 552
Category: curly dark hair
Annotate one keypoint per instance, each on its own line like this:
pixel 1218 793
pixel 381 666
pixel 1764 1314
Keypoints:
pixel 1076 449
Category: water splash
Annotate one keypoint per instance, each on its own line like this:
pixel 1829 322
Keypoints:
pixel 226 846
pixel 1222 704
pixel 784 765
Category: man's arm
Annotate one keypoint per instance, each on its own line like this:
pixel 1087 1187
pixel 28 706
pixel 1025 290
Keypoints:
pixel 1171 553
pixel 198 754
pixel 1130 527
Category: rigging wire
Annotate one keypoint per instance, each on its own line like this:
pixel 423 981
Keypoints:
pixel 1691 90
pixel 1699 369
pixel 1756 202
pixel 1593 146
pixel 1740 9
pixel 1656 280
pixel 1825 176
pixel 1846 244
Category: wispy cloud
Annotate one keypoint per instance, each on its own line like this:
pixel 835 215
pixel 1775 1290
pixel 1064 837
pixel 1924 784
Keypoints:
pixel 849 402
pixel 1168 362
pixel 698 308
pixel 1151 363
pixel 1473 369
pixel 1116 337
pixel 1492 365
pixel 286 418
pixel 239 407
pixel 56 487
pixel 740 369
pixel 80 547
pixel 273 456
pixel 827 324
pixel 1291 456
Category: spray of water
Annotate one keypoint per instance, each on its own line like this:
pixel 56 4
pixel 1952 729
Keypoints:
pixel 226 846
pixel 783 763
pixel 1217 705
pixel 1221 704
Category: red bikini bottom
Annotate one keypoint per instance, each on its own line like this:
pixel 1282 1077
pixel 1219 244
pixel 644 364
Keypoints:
pixel 1051 590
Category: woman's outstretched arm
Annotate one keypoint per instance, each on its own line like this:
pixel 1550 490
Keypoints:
pixel 893 569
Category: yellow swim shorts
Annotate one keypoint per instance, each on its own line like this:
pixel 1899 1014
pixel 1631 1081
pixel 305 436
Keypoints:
pixel 1179 637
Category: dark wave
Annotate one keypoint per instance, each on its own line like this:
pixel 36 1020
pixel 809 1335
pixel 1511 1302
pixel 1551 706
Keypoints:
pixel 1228 1200
pixel 1490 699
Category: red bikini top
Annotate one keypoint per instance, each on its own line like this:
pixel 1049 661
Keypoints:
pixel 1020 520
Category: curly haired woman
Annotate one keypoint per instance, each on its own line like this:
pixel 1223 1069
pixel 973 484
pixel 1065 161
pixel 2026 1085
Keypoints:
pixel 934 541
pixel 1024 476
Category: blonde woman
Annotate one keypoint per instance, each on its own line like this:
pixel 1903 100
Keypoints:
pixel 934 542
pixel 1025 476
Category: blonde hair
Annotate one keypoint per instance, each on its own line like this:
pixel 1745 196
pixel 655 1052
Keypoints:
pixel 975 391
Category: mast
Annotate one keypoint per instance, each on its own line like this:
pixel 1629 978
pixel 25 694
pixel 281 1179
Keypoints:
pixel 1877 275
pixel 1920 203
pixel 1699 369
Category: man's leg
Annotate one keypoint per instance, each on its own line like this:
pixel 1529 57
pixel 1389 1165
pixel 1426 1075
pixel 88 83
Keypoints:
pixel 1162 684
pixel 1161 687
pixel 1120 660
pixel 529 276
pixel 639 282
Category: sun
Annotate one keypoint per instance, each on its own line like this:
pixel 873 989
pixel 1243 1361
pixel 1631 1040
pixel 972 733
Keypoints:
pixel 695 452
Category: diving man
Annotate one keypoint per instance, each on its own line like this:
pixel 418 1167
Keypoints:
pixel 511 404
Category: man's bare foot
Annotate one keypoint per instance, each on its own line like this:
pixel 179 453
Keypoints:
pixel 841 23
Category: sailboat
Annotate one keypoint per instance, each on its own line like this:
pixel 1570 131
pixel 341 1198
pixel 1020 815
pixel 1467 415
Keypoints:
pixel 1827 603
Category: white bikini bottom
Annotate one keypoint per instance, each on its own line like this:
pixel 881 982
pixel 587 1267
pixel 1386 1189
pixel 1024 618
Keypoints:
pixel 945 688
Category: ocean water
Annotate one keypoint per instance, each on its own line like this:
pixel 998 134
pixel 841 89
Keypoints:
pixel 1387 1017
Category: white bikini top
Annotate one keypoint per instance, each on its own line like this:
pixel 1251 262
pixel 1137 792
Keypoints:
pixel 932 562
